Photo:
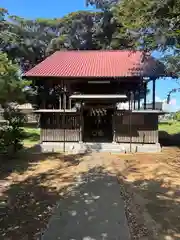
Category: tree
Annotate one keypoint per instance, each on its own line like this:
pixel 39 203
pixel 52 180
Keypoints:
pixel 11 132
pixel 30 41
pixel 111 33
pixel 84 30
pixel 11 91
pixel 25 41
pixel 154 25
pixel 11 84
pixel 177 116
pixel 77 31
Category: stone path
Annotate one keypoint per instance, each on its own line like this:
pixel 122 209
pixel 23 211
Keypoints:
pixel 93 210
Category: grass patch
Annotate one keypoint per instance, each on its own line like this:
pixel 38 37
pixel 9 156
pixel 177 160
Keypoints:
pixel 32 136
pixel 171 127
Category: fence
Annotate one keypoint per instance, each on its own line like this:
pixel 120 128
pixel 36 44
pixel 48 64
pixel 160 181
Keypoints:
pixel 30 116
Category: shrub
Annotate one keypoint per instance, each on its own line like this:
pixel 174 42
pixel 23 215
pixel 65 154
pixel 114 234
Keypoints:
pixel 11 132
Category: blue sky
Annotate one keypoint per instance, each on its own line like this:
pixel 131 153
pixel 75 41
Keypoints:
pixel 59 8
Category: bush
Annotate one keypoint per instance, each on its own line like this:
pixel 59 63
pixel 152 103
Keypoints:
pixel 11 132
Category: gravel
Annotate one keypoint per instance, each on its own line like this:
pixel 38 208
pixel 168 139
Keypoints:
pixel 141 226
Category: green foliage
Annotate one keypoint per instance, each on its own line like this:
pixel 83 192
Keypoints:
pixel 11 132
pixel 172 63
pixel 154 25
pixel 11 85
pixel 77 32
pixel 26 40
pixel 101 4
pixel 156 22
pixel 30 41
pixel 177 116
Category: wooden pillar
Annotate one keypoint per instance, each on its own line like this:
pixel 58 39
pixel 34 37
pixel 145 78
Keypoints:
pixel 43 99
pixel 64 118
pixel 130 121
pixel 114 126
pixel 81 124
pixel 70 106
pixel 154 93
pixel 139 93
pixel 145 94
pixel 134 100
pixel 129 99
pixel 60 101
pixel 41 131
pixel 69 99
pixel 64 100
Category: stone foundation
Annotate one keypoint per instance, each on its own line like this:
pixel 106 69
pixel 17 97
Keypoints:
pixel 75 148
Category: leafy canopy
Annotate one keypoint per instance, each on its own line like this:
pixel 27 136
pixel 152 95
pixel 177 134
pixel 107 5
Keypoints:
pixel 11 84
pixel 155 25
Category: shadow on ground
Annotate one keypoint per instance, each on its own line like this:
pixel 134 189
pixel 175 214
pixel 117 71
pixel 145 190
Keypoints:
pixel 167 139
pixel 24 159
pixel 26 205
pixel 162 203
pixel 92 210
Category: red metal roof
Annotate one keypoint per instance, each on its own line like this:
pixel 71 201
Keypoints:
pixel 96 64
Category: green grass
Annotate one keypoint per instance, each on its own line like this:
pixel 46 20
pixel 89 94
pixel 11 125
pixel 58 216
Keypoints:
pixel 171 127
pixel 32 136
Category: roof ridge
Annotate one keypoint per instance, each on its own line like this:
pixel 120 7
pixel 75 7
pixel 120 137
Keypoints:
pixel 101 50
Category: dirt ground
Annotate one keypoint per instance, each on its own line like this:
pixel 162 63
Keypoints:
pixel 31 186
pixel 154 180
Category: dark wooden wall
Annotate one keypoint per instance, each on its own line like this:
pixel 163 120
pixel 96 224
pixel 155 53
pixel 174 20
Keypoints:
pixel 144 128
pixel 56 127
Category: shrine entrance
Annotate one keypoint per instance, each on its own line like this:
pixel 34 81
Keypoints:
pixel 98 125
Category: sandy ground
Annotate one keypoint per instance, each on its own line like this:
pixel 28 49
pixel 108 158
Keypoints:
pixel 32 185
